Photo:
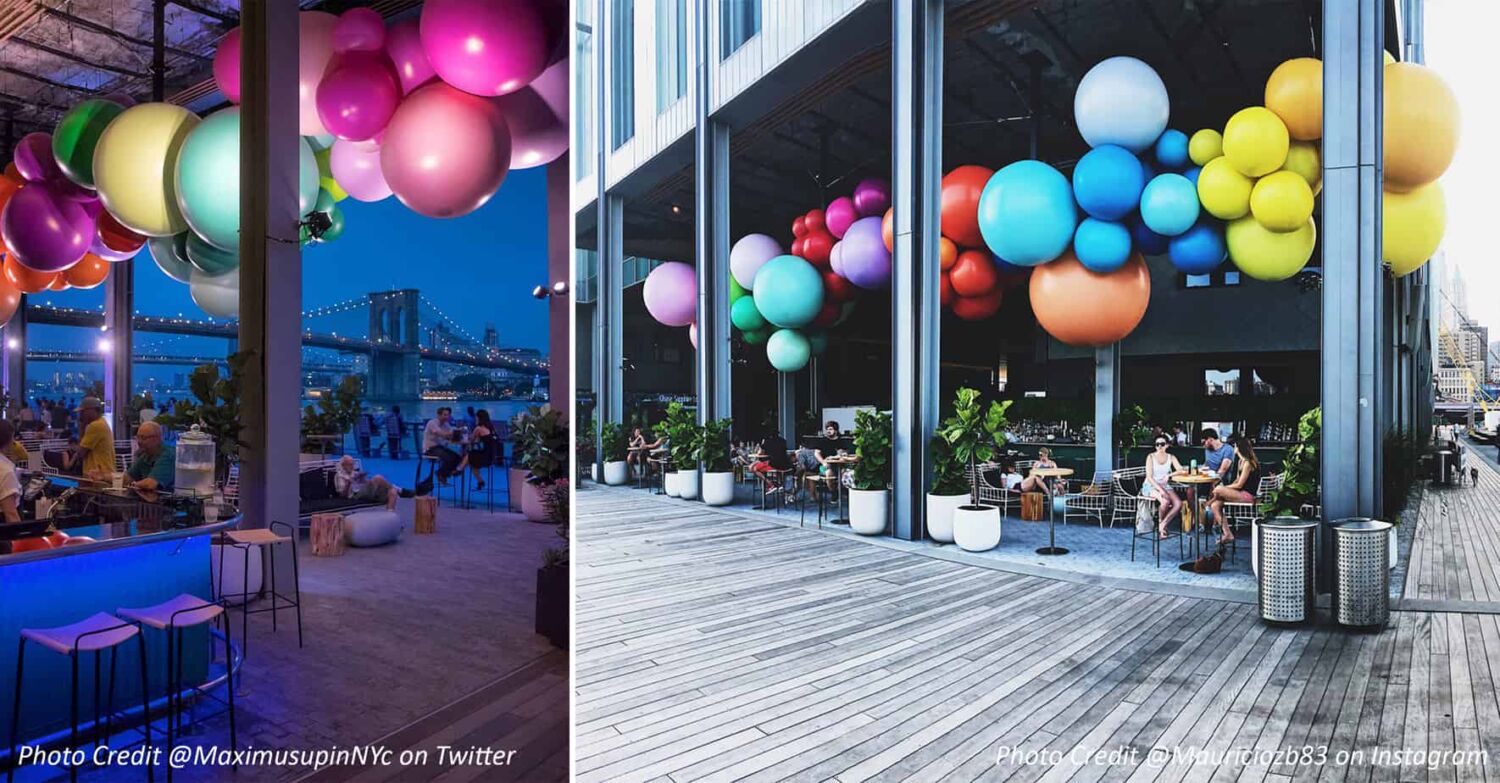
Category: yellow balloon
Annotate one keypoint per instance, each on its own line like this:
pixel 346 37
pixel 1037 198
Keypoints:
pixel 1294 92
pixel 1205 145
pixel 1269 255
pixel 1421 126
pixel 1304 158
pixel 1281 201
pixel 1223 190
pixel 134 165
pixel 1255 141
pixel 325 175
pixel 1389 58
pixel 1412 227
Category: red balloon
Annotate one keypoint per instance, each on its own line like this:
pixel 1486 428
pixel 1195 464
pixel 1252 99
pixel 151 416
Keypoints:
pixel 945 290
pixel 14 174
pixel 816 246
pixel 947 253
pixel 25 279
pixel 837 287
pixel 828 315
pixel 813 221
pixel 58 538
pixel 10 300
pixel 977 308
pixel 1084 308
pixel 974 273
pixel 888 229
pixel 29 545
pixel 88 273
pixel 960 204
pixel 797 247
pixel 117 237
pixel 799 227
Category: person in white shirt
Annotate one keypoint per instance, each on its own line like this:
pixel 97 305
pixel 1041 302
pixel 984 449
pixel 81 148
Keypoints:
pixel 351 482
pixel 435 437
pixel 10 484
pixel 1179 436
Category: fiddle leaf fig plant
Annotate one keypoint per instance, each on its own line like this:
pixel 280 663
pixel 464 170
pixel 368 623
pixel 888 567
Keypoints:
pixel 973 433
pixel 613 442
pixel 713 446
pixel 1299 485
pixel 682 437
pixel 872 444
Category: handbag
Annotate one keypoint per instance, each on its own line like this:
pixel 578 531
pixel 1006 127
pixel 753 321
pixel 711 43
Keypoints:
pixel 1145 515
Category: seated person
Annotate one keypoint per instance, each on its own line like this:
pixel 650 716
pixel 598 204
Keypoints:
pixel 1009 479
pixel 831 430
pixel 1218 456
pixel 775 458
pixel 10 485
pixel 68 460
pixel 435 438
pixel 16 453
pixel 155 466
pixel 1240 490
pixel 352 483
pixel 1033 482
pixel 633 455
pixel 1160 465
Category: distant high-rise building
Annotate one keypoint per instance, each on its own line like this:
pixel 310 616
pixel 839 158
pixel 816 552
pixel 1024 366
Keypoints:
pixel 491 336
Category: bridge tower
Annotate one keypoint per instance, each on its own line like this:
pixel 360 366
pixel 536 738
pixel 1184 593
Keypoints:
pixel 395 337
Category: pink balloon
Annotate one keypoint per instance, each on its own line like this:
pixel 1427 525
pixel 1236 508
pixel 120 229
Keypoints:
pixel 33 158
pixel 359 29
pixel 840 215
pixel 227 66
pixel 671 294
pixel 358 94
pixel 538 119
pixel 693 333
pixel 356 167
pixel 445 152
pixel 315 48
pixel 403 42
pixel 491 47
pixel 46 231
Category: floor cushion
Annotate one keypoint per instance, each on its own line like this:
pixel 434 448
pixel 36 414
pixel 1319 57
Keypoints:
pixel 372 528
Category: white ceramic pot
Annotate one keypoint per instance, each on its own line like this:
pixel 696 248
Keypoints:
pixel 868 511
pixel 1391 536
pixel 940 515
pixel 976 528
pixel 1255 546
pixel 615 473
pixel 516 479
pixel 687 484
pixel 531 502
pixel 669 483
pixel 594 472
pixel 718 488
pixel 235 582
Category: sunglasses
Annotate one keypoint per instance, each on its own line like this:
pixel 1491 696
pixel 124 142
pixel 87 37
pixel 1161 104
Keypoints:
pixel 1161 444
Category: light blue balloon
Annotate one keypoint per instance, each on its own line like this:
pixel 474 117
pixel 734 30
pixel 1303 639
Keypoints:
pixel 1169 204
pixel 1200 249
pixel 208 179
pixel 1102 245
pixel 788 292
pixel 788 350
pixel 307 178
pixel 1107 181
pixel 1172 150
pixel 1027 214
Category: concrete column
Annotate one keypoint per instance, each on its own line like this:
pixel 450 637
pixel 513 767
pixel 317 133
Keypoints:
pixel 609 392
pixel 559 308
pixel 916 165
pixel 13 341
pixel 1353 278
pixel 270 264
pixel 786 406
pixel 711 227
pixel 1106 404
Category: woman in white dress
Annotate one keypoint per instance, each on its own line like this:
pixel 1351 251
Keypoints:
pixel 1160 465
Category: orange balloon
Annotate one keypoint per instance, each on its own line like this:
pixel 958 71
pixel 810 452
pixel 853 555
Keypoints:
pixel 59 283
pixel 10 300
pixel 974 273
pixel 7 189
pixel 959 213
pixel 26 279
pixel 977 308
pixel 88 273
pixel 29 545
pixel 1295 93
pixel 888 230
pixel 13 174
pixel 1084 308
pixel 78 541
pixel 58 538
pixel 947 253
pixel 1421 126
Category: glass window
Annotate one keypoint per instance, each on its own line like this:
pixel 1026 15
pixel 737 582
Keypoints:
pixel 671 52
pixel 583 90
pixel 1221 382
pixel 739 21
pixel 622 80
pixel 1199 281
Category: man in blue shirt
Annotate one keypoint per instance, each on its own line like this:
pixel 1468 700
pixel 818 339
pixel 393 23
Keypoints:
pixel 1218 456
pixel 155 465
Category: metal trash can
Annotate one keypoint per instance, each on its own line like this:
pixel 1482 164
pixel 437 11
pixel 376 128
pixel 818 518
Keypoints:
pixel 1286 552
pixel 1362 568
pixel 1443 462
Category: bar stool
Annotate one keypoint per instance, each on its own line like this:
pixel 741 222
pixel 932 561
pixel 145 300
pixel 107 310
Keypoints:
pixel 172 618
pixel 814 483
pixel 266 539
pixel 94 634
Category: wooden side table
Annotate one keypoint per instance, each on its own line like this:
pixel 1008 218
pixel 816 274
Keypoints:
pixel 426 515
pixel 327 535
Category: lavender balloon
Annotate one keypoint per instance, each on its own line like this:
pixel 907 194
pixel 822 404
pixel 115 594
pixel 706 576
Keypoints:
pixel 355 165
pixel 840 215
pixel 836 258
pixel 865 260
pixel 671 294
pixel 403 43
pixel 34 160
pixel 359 30
pixel 872 197
pixel 358 95
pixel 45 231
pixel 538 119
pixel 748 255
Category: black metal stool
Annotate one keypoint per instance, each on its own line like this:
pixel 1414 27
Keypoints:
pixel 266 540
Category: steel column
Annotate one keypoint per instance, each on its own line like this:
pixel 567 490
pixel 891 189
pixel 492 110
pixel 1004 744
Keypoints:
pixel 1106 404
pixel 916 165
pixel 711 241
pixel 13 340
pixel 609 299
pixel 1422 328
pixel 786 406
pixel 559 308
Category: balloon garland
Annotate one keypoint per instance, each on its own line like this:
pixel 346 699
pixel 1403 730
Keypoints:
pixel 435 111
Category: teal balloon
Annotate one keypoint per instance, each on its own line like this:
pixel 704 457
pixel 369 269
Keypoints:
pixel 319 143
pixel 744 316
pixel 757 337
pixel 208 259
pixel 788 349
pixel 208 179
pixel 819 342
pixel 307 179
pixel 325 201
pixel 845 310
pixel 788 292
pixel 170 255
pixel 335 225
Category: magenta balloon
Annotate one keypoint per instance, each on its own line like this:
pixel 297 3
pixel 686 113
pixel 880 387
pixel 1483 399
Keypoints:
pixel 445 152
pixel 840 215
pixel 749 254
pixel 403 42
pixel 227 66
pixel 315 48
pixel 46 231
pixel 671 294
pixel 491 47
pixel 872 197
pixel 356 167
pixel 538 122
pixel 359 30
pixel 358 94
pixel 33 158
pixel 865 260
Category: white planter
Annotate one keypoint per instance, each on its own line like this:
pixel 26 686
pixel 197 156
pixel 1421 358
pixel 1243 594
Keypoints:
pixel 940 515
pixel 1391 536
pixel 235 582
pixel 976 528
pixel 669 483
pixel 515 479
pixel 868 511
pixel 615 473
pixel 531 502
pixel 594 472
pixel 718 488
pixel 687 484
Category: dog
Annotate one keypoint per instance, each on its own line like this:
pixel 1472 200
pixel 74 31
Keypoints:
pixel 1474 477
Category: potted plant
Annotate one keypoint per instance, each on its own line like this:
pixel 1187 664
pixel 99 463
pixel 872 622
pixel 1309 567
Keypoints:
pixel 949 490
pixel 216 411
pixel 684 437
pixel 585 450
pixel 552 585
pixel 1299 482
pixel 334 415
pixel 718 471
pixel 677 426
pixel 545 459
pixel 613 443
pixel 869 497
pixel 974 434
pixel 520 438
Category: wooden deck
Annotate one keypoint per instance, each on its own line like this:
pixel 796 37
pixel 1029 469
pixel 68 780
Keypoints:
pixel 1455 554
pixel 715 647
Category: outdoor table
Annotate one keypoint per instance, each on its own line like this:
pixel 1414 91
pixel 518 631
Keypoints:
pixel 1052 548
pixel 641 465
pixel 659 456
pixel 838 463
pixel 1192 481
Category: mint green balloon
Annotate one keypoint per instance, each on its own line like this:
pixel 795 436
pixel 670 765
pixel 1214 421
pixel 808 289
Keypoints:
pixel 324 202
pixel 757 337
pixel 744 316
pixel 208 259
pixel 335 225
pixel 788 350
pixel 307 179
pixel 208 179
pixel 170 254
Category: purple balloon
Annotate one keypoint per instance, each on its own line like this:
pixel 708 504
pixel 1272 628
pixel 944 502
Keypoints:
pixel 836 258
pixel 355 165
pixel 359 30
pixel 46 231
pixel 749 254
pixel 33 158
pixel 538 119
pixel 358 95
pixel 865 260
pixel 840 215
pixel 403 42
pixel 671 294
pixel 872 197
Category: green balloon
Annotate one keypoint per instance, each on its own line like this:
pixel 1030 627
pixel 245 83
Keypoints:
pixel 77 134
pixel 757 337
pixel 210 260
pixel 324 202
pixel 208 179
pixel 736 291
pixel 819 341
pixel 744 316
pixel 304 235
pixel 170 254
pixel 335 225
pixel 319 143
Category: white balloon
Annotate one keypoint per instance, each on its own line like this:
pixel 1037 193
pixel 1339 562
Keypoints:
pixel 749 254
pixel 1121 101
pixel 218 296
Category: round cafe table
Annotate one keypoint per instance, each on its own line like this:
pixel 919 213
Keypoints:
pixel 640 464
pixel 1052 548
pixel 839 463
pixel 1193 481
